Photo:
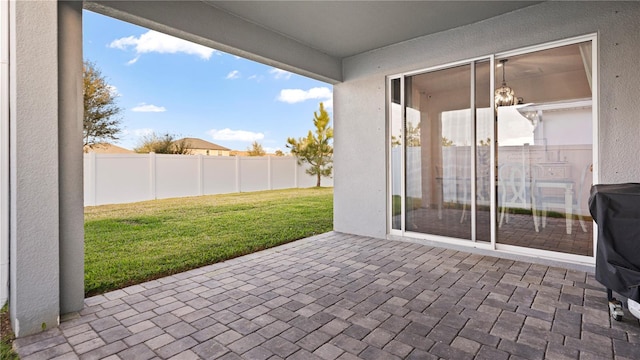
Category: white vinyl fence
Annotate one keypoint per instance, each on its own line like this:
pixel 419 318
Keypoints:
pixel 125 178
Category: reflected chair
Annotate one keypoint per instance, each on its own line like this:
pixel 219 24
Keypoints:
pixel 558 201
pixel 482 190
pixel 454 186
pixel 515 190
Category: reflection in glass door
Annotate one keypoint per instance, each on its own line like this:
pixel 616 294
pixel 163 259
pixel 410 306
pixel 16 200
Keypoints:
pixel 544 153
pixel 438 153
pixel 445 140
pixel 509 167
pixel 484 139
pixel 396 155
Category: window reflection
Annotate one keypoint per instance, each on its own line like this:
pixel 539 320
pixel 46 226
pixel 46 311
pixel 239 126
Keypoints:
pixel 438 152
pixel 396 155
pixel 545 152
pixel 446 148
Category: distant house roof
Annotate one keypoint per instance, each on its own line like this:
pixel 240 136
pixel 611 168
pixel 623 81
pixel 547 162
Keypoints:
pixel 105 148
pixel 195 143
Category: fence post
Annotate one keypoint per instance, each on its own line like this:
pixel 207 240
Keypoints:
pixel 200 175
pixel 152 173
pixel 237 173
pixel 295 172
pixel 269 186
pixel 92 178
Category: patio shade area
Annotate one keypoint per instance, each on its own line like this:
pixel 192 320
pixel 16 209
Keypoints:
pixel 337 296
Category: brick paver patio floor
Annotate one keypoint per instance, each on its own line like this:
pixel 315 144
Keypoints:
pixel 336 296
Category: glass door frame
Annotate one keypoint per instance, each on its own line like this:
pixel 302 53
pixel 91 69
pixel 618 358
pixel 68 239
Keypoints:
pixel 473 206
pixel 565 257
pixel 492 245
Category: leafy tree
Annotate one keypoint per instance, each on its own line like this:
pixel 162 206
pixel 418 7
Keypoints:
pixel 182 147
pixel 256 149
pixel 315 149
pixel 164 144
pixel 279 153
pixel 413 134
pixel 100 123
pixel 446 142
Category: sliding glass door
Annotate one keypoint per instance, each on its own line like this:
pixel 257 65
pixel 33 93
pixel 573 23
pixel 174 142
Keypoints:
pixel 440 147
pixel 545 150
pixel 496 150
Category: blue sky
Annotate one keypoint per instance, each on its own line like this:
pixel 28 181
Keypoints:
pixel 168 85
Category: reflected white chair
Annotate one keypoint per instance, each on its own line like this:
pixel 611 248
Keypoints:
pixel 482 190
pixel 454 184
pixel 558 201
pixel 515 190
pixel 445 176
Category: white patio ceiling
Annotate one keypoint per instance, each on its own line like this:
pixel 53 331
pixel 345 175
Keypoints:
pixel 307 37
pixel 345 28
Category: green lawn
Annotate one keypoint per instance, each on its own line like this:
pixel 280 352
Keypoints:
pixel 127 244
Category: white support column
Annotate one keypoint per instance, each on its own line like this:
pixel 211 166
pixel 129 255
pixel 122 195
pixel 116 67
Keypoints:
pixel 34 167
pixel 4 152
pixel 70 115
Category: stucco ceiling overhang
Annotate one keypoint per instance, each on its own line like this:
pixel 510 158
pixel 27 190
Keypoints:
pixel 346 28
pixel 310 38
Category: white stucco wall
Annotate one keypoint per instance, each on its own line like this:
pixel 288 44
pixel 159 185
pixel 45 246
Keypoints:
pixel 46 262
pixel 4 152
pixel 359 106
pixel 360 157
pixel 70 116
pixel 34 205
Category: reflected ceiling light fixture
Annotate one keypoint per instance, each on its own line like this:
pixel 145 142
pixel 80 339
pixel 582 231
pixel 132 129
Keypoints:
pixel 504 95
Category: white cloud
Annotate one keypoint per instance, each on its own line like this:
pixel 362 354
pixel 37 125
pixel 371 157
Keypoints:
pixel 134 60
pixel 113 91
pixel 280 74
pixel 257 78
pixel 142 132
pixel 235 74
pixel 293 96
pixel 328 103
pixel 142 107
pixel 153 41
pixel 237 135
